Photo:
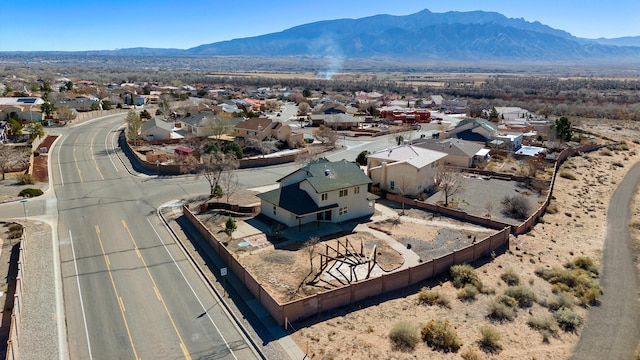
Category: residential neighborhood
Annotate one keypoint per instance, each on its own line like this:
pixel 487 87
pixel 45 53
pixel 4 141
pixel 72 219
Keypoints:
pixel 316 200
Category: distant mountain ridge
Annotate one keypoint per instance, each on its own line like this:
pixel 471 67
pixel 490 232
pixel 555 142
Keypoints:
pixel 424 36
pixel 475 35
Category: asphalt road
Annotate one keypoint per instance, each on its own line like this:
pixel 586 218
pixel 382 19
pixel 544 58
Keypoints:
pixel 612 330
pixel 129 291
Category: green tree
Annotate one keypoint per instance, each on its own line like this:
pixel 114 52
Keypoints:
pixel 95 106
pixel 361 159
pixel 234 148
pixel 34 128
pixel 230 226
pixel 493 114
pixel 7 89
pixel 47 108
pixel 134 123
pixel 69 85
pixel 106 105
pixel 145 114
pixel 15 127
pixel 563 129
pixel 217 192
pixel 306 93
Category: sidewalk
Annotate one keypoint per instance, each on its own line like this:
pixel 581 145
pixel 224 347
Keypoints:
pixel 275 342
pixel 38 330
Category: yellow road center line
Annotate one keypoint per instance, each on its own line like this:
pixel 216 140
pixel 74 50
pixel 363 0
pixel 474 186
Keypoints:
pixel 157 290
pixel 93 157
pixel 75 161
pixel 115 290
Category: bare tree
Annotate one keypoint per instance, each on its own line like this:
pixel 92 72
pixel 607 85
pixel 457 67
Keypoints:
pixel 310 247
pixel 325 135
pixel 230 184
pixel 64 113
pixel 402 188
pixel 311 153
pixel 212 166
pixel 265 147
pixel 216 127
pixel 165 106
pixel 303 108
pixel 8 156
pixel 449 181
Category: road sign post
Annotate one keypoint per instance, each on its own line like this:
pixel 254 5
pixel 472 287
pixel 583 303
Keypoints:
pixel 223 273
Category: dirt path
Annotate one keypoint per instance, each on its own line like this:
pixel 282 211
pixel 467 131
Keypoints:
pixel 612 330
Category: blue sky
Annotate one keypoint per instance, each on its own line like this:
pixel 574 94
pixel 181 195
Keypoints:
pixel 71 25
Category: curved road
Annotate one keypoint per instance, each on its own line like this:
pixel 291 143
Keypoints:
pixel 129 291
pixel 612 330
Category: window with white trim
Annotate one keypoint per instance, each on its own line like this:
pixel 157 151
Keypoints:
pixel 344 192
pixel 342 211
pixel 356 190
pixel 324 196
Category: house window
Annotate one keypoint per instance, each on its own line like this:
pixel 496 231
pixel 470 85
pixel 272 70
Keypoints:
pixel 392 185
pixel 324 196
pixel 342 211
pixel 344 192
pixel 274 210
pixel 356 190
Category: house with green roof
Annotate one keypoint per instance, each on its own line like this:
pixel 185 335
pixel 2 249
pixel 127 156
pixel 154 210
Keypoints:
pixel 322 191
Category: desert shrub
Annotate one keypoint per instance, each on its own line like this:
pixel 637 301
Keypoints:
pixel 471 354
pixel 584 263
pixel 26 179
pixel 500 311
pixel 560 300
pixel 543 323
pixel 30 192
pixel 522 294
pixel 468 293
pixel 516 207
pixel 462 275
pixel 578 282
pixel 551 209
pixel 440 335
pixel 568 320
pixel 617 164
pixel 605 152
pixel 490 339
pixel 404 335
pixel 510 277
pixel 623 146
pixel 635 224
pixel 567 175
pixel 432 297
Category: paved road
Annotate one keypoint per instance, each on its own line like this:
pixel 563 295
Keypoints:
pixel 612 330
pixel 129 291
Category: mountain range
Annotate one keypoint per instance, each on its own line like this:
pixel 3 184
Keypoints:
pixel 428 36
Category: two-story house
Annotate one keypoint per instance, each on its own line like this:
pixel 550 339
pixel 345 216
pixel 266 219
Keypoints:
pixel 320 191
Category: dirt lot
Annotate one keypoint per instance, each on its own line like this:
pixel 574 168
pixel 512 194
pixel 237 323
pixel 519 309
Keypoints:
pixel 576 228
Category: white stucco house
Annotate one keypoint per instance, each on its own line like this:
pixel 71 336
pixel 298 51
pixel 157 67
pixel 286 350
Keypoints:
pixel 404 169
pixel 156 129
pixel 320 191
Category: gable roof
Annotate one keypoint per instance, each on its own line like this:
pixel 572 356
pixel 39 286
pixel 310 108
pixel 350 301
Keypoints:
pixel 452 146
pixel 155 122
pixel 294 200
pixel 324 175
pixel 197 119
pixel 255 124
pixel 415 156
